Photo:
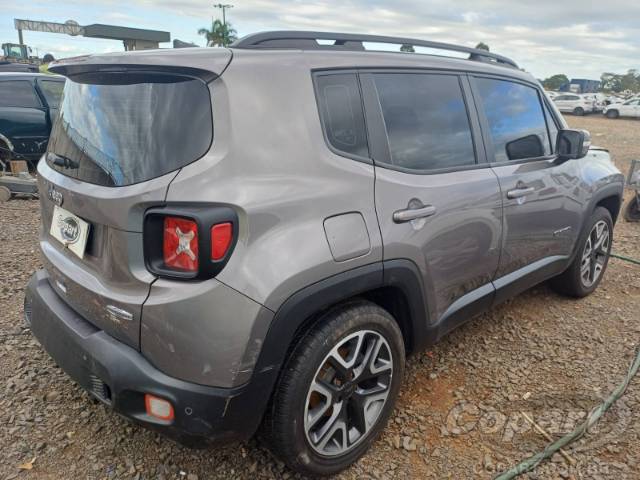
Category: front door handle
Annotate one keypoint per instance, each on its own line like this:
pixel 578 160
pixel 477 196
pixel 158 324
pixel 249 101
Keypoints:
pixel 520 192
pixel 402 216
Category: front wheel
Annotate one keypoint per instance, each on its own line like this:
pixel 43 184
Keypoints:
pixel 337 390
pixel 587 269
pixel 632 210
pixel 579 111
pixel 612 114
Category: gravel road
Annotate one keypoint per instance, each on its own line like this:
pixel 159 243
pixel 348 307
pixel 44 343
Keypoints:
pixel 460 411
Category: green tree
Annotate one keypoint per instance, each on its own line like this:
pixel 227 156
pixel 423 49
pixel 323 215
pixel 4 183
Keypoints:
pixel 482 46
pixel 616 82
pixel 630 81
pixel 610 82
pixel 407 48
pixel 555 81
pixel 219 35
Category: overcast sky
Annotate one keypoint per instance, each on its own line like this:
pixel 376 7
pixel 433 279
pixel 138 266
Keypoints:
pixel 576 37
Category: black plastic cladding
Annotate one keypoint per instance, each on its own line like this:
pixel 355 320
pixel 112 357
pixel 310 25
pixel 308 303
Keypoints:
pixel 205 216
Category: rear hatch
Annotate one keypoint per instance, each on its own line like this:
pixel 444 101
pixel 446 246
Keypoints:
pixel 127 124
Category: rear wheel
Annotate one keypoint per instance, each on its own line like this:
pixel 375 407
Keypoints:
pixel 337 391
pixel 5 194
pixel 578 111
pixel 613 114
pixel 585 273
pixel 632 210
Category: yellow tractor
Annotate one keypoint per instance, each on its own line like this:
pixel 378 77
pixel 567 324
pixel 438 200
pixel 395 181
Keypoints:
pixel 17 57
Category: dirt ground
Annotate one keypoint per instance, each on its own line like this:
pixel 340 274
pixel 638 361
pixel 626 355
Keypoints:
pixel 460 411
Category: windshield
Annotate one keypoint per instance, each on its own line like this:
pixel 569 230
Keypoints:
pixel 118 129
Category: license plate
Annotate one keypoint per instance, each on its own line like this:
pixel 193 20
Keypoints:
pixel 70 230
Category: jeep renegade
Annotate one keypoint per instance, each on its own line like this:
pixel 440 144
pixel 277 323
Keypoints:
pixel 257 236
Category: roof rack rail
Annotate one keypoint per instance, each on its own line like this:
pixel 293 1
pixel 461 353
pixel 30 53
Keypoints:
pixel 307 40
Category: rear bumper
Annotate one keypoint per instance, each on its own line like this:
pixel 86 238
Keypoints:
pixel 119 376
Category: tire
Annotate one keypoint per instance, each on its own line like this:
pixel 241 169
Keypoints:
pixel 613 114
pixel 577 281
pixel 314 379
pixel 632 210
pixel 579 111
pixel 5 194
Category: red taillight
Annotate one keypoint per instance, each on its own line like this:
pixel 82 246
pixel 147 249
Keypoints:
pixel 180 244
pixel 221 237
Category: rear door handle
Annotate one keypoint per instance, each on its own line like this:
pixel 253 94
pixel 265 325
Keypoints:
pixel 402 216
pixel 520 192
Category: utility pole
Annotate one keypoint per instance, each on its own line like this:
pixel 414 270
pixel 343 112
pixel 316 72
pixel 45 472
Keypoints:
pixel 224 7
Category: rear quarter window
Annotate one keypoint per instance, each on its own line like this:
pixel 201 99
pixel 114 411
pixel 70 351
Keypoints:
pixel 341 113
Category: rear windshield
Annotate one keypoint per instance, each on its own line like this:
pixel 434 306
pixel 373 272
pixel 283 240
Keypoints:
pixel 118 129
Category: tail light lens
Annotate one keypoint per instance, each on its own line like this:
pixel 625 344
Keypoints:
pixel 221 238
pixel 189 242
pixel 180 244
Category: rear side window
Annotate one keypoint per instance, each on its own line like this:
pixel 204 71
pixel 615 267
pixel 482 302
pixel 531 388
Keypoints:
pixel 516 120
pixel 341 112
pixel 18 93
pixel 52 91
pixel 118 129
pixel 426 120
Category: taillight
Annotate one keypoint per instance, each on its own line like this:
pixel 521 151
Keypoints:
pixel 221 238
pixel 189 241
pixel 180 244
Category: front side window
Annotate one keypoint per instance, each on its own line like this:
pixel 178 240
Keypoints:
pixel 426 120
pixel 342 114
pixel 18 93
pixel 516 121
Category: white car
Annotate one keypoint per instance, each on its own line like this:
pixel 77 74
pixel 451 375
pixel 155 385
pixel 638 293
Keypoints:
pixel 630 108
pixel 573 103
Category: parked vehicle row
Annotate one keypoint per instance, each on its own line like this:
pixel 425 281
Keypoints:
pixel 581 104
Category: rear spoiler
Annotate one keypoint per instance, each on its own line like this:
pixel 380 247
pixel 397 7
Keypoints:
pixel 204 63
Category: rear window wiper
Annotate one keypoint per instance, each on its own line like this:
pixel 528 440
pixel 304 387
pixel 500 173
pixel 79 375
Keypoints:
pixel 61 161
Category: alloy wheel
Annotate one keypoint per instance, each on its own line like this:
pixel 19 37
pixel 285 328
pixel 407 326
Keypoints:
pixel 348 393
pixel 595 254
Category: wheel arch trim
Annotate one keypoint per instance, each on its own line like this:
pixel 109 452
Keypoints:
pixel 301 309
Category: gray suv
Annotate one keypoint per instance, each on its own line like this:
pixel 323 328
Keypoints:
pixel 253 238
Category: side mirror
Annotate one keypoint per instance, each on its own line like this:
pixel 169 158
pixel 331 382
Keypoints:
pixel 572 144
